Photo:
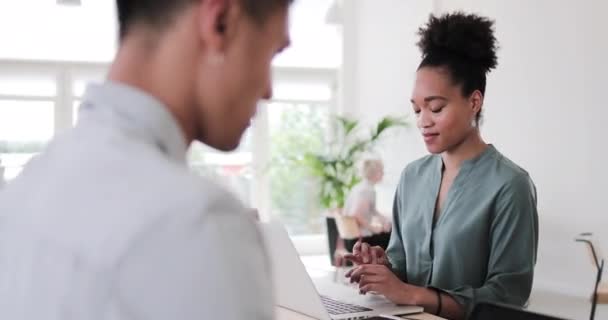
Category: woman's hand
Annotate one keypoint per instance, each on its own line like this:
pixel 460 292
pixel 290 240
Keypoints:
pixel 363 253
pixel 380 279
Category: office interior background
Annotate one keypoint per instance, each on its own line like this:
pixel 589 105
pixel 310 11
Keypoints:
pixel 545 108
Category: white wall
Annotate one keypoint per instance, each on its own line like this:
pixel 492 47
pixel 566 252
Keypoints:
pixel 545 108
pixel 379 61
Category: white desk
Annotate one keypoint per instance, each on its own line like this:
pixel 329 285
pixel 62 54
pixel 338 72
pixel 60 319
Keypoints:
pixel 284 314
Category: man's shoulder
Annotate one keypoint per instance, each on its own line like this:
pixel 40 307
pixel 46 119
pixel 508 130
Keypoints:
pixel 205 192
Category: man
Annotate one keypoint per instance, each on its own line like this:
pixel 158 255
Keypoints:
pixel 108 222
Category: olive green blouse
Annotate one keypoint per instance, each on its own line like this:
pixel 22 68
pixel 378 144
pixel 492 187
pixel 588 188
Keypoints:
pixel 483 245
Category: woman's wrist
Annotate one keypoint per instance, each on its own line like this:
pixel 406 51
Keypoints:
pixel 410 295
pixel 420 296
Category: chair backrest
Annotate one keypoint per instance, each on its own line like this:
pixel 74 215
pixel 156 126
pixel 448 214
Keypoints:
pixel 348 227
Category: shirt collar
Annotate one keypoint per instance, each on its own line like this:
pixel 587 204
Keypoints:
pixel 489 151
pixel 139 111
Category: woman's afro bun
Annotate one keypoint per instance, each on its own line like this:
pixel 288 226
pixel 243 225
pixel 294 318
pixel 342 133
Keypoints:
pixel 466 37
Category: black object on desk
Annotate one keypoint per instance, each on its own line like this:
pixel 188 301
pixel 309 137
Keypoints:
pixel 492 311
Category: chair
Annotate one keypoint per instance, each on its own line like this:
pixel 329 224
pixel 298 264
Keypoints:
pixel 348 229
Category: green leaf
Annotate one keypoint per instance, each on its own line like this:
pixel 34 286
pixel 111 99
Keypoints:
pixel 314 163
pixel 358 147
pixel 347 125
pixel 386 123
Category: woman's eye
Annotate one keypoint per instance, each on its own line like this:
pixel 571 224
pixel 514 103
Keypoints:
pixel 437 110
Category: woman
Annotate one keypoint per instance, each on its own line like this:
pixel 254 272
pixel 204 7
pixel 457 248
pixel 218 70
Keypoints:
pixel 465 218
pixel 361 205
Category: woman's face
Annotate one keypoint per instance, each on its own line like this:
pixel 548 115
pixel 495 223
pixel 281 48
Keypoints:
pixel 444 116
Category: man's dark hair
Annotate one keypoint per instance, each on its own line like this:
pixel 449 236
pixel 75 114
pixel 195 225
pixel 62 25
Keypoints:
pixel 160 13
pixel 464 45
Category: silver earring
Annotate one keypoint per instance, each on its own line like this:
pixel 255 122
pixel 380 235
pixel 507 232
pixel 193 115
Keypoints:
pixel 474 123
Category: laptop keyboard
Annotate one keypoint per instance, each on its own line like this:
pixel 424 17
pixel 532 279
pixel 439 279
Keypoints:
pixel 335 307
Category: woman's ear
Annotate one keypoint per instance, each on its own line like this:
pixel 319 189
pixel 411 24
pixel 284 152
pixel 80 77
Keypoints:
pixel 476 102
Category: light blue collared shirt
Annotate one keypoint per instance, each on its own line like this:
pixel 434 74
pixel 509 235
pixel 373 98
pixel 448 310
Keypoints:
pixel 108 223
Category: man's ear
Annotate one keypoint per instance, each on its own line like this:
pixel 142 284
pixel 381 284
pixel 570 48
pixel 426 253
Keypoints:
pixel 212 24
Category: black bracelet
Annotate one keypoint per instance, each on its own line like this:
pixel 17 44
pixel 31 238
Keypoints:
pixel 439 303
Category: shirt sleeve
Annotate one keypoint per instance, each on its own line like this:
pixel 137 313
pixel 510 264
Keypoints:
pixel 211 267
pixel 395 250
pixel 513 243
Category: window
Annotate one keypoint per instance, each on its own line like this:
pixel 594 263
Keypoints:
pixel 25 128
pixel 27 84
pixel 295 128
pixel 234 169
pixel 37 100
pixel 86 32
pixel 27 119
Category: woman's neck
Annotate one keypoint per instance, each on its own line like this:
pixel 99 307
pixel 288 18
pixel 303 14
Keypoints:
pixel 469 148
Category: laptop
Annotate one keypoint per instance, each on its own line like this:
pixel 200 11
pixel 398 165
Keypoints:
pixel 323 299
pixel 493 311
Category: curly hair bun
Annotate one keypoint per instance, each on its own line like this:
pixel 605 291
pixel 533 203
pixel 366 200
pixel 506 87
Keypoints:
pixel 464 36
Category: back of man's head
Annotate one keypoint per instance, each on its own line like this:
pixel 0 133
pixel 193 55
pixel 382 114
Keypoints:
pixel 159 14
